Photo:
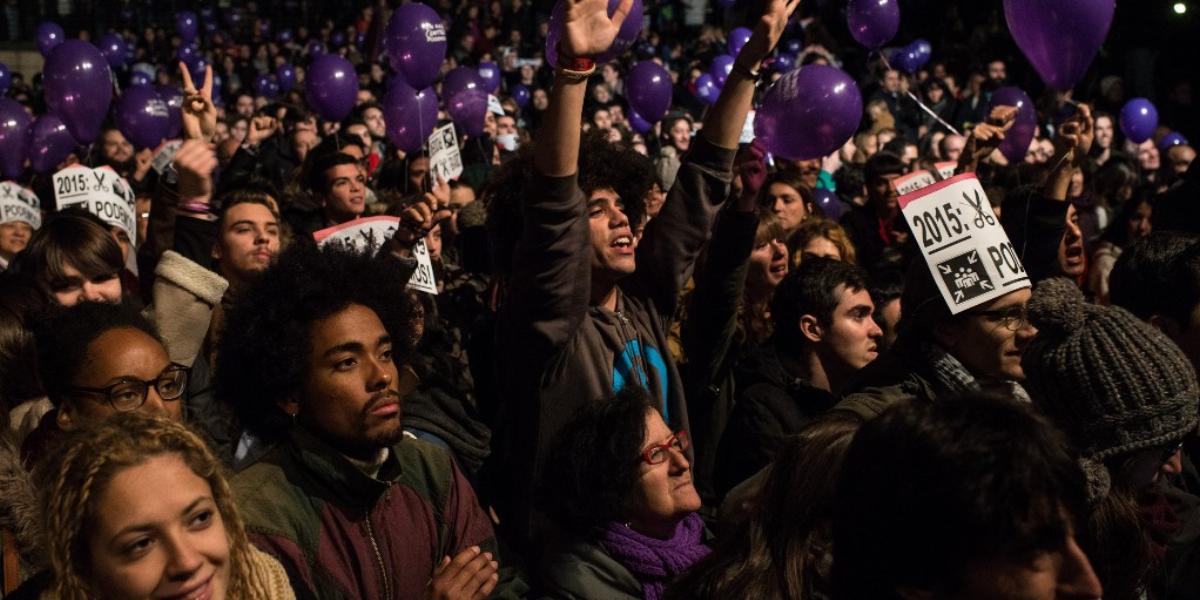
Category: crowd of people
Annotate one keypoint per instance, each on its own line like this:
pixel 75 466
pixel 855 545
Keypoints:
pixel 659 363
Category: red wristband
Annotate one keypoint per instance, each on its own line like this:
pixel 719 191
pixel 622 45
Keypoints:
pixel 579 64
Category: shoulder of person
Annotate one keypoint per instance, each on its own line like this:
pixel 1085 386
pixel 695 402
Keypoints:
pixel 581 569
pixel 426 468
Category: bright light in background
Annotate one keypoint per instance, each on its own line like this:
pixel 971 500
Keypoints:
pixel 1179 8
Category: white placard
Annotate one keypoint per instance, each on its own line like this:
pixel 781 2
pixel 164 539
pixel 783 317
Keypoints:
pixel 907 184
pixel 101 192
pixel 946 168
pixel 19 204
pixel 962 241
pixel 372 233
pixel 445 159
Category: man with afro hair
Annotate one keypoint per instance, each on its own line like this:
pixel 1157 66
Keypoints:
pixel 315 360
pixel 588 303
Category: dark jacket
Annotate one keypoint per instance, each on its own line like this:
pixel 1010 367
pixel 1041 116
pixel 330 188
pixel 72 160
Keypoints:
pixel 773 402
pixel 892 378
pixel 343 534
pixel 582 571
pixel 556 352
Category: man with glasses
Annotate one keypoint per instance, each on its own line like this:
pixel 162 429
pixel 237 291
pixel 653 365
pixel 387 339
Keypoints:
pixel 96 359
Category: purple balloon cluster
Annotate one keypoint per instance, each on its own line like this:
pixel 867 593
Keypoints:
pixel 78 87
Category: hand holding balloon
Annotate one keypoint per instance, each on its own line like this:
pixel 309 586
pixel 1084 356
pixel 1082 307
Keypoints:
pixel 199 114
pixel 587 28
pixel 985 138
pixel 767 33
pixel 1075 137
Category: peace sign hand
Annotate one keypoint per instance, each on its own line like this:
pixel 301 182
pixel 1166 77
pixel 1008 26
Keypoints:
pixel 199 114
pixel 587 28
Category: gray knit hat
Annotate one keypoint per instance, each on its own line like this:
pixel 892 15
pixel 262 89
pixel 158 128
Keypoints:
pixel 1114 383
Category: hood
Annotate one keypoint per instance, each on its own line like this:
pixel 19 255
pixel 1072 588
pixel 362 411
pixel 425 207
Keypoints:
pixel 19 513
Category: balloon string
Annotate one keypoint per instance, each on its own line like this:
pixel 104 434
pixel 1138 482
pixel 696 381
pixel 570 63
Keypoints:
pixel 919 103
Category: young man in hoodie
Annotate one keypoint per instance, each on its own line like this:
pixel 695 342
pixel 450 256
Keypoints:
pixel 589 305
pixel 824 333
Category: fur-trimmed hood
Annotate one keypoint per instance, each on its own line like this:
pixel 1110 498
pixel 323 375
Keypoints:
pixel 20 516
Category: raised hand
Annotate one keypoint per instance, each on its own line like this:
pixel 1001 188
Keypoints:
pixel 752 169
pixel 261 128
pixel 1075 136
pixel 587 28
pixel 767 33
pixel 986 137
pixel 199 114
pixel 195 162
pixel 415 223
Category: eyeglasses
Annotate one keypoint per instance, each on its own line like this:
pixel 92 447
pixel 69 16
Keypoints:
pixel 1012 318
pixel 1141 467
pixel 658 454
pixel 129 393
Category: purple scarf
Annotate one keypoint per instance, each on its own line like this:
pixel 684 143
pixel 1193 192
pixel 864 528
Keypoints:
pixel 652 561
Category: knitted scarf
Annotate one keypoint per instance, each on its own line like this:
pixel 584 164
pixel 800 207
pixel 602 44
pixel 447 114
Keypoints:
pixel 652 561
pixel 955 378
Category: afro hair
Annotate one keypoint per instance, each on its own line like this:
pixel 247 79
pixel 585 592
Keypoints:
pixel 263 357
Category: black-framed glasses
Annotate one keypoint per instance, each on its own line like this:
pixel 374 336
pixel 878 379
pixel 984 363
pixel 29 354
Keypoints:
pixel 1140 468
pixel 1012 318
pixel 660 453
pixel 129 393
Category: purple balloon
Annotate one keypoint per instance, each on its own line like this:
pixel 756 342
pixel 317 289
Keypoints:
pixel 196 69
pixel 521 95
pixel 187 53
pixel 143 117
pixel 173 98
pixel 906 59
pixel 489 73
pixel 14 131
pixel 5 79
pixel 139 78
pixel 1017 139
pixel 468 109
pixel 809 113
pixel 337 39
pixel 924 49
pixel 783 63
pixel 49 143
pixel 187 25
pixel 649 90
pixel 1059 37
pixel 285 74
pixel 315 48
pixel 410 115
pixel 49 36
pixel 283 36
pixel 830 204
pixel 416 44
pixel 460 79
pixel 331 86
pixel 794 46
pixel 873 23
pixel 707 89
pixel 78 87
pixel 720 69
pixel 210 27
pixel 1172 139
pixel 264 86
pixel 113 48
pixel 639 124
pixel 738 38
pixel 1138 120
pixel 625 39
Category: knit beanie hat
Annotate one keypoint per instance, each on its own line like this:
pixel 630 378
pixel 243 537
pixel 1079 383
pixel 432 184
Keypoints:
pixel 1114 383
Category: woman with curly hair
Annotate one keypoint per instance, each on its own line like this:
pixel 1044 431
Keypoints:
pixel 821 237
pixel 108 538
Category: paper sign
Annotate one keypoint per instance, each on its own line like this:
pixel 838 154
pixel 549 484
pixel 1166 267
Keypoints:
pixel 19 204
pixel 907 184
pixel 372 233
pixel 962 241
pixel 747 129
pixel 99 191
pixel 445 159
pixel 494 106
pixel 946 168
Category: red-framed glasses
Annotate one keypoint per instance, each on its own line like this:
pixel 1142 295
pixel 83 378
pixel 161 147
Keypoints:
pixel 660 453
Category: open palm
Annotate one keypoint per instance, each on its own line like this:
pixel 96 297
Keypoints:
pixel 769 29
pixel 587 28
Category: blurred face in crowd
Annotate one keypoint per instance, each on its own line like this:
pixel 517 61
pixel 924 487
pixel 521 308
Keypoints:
pixel 116 357
pixel 239 129
pixel 248 242
pixel 851 337
pixel 116 148
pixel 1071 251
pixel 989 339
pixel 303 140
pixel 681 134
pixel 787 203
pixel 888 318
pixel 882 194
pixel 891 81
pixel 75 287
pixel 168 544
pixel 1077 184
pixel 461 196
pixel 997 71
pixel 821 246
pixel 245 105
pixel 418 168
pixel 361 132
pixel 1104 132
pixel 846 153
pixel 433 243
pixel 768 265
pixel 1180 158
pixel 601 119
pixel 1139 225
pixel 346 195
pixel 664 493
pixel 655 199
pixel 13 238
pixel 506 125
pixel 351 395
pixel 1148 157
pixel 540 100
pixel 613 242
pixel 953 145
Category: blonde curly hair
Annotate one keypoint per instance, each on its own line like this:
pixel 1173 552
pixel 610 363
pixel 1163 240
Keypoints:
pixel 71 478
